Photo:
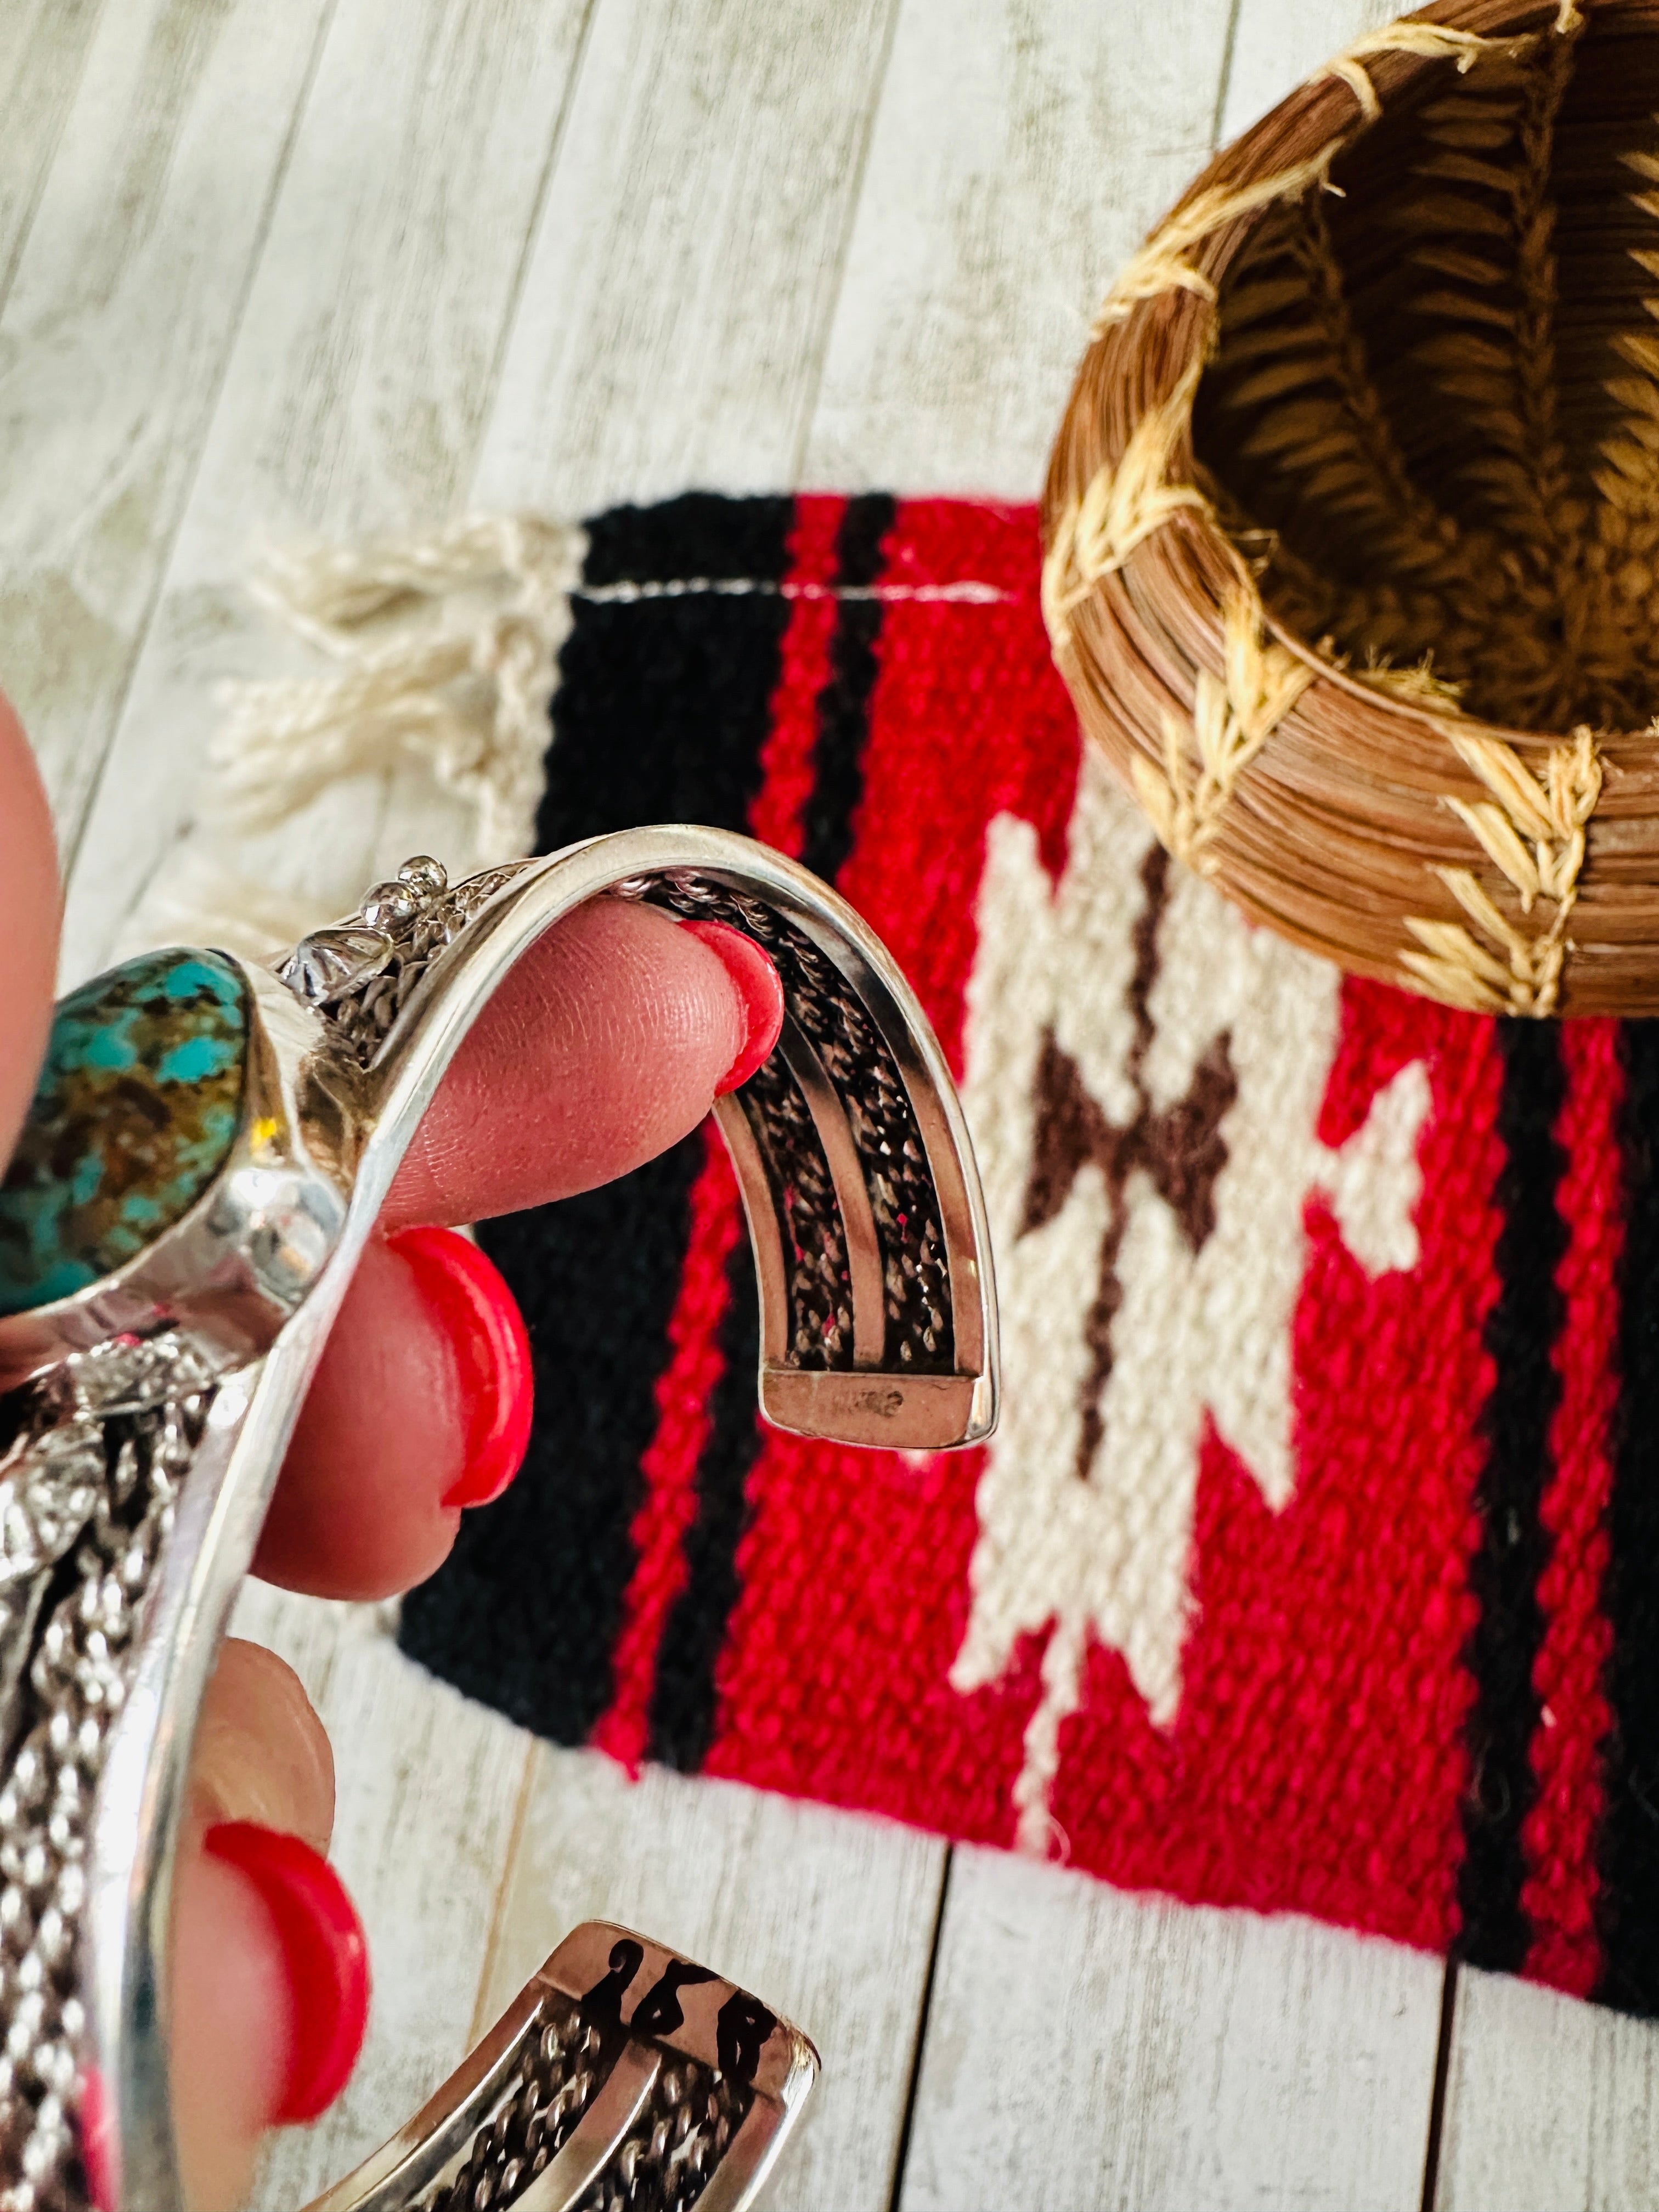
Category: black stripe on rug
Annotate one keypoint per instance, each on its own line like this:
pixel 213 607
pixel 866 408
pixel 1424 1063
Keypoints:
pixel 1628 1850
pixel 660 715
pixel 685 1707
pixel 844 703
pixel 684 1703
pixel 663 704
pixel 1514 1547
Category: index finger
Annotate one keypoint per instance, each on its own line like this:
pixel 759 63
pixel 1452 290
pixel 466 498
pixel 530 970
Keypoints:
pixel 606 1044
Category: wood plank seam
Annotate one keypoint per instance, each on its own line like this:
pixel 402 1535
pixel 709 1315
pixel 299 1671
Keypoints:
pixel 1223 83
pixel 901 2154
pixel 482 2001
pixel 1437 2096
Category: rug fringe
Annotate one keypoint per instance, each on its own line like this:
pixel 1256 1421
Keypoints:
pixel 414 694
pixel 446 643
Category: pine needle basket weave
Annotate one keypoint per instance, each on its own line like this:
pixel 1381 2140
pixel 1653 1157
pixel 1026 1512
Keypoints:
pixel 1353 522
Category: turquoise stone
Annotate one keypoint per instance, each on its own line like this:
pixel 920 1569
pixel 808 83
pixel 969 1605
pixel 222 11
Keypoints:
pixel 135 1111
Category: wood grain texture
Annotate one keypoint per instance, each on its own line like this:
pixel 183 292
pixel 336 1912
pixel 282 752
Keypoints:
pixel 43 51
pixel 354 399
pixel 429 1789
pixel 1021 149
pixel 1136 2053
pixel 113 340
pixel 823 1914
pixel 1552 2105
pixel 686 266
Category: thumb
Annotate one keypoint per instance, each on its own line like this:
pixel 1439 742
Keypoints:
pixel 270 1974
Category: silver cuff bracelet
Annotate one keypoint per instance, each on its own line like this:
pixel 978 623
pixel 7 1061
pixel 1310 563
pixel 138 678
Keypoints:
pixel 210 1148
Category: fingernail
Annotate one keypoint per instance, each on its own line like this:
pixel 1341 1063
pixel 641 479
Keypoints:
pixel 97 2141
pixel 481 1318
pixel 323 1948
pixel 759 986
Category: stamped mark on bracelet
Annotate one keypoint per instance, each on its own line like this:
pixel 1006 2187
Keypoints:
pixel 741 2026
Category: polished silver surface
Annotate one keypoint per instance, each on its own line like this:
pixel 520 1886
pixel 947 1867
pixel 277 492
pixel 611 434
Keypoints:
pixel 622 2074
pixel 148 1416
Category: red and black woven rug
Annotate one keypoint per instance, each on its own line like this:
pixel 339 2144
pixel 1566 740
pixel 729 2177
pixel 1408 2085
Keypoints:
pixel 1315 1564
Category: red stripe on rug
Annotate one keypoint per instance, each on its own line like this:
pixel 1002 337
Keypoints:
pixel 1318 1758
pixel 854 1567
pixel 969 720
pixel 1560 1833
pixel 786 759
pixel 669 1467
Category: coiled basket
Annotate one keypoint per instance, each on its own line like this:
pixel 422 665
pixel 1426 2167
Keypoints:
pixel 1352 522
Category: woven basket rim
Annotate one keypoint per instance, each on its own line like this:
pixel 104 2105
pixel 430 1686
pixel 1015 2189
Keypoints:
pixel 1155 335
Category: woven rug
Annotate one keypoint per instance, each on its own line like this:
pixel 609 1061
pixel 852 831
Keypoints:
pixel 1316 1564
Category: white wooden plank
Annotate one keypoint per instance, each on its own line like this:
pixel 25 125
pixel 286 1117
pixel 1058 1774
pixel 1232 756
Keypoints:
pixel 1551 2103
pixel 1022 149
pixel 429 1788
pixel 42 50
pixel 355 398
pixel 1278 43
pixel 1136 2053
pixel 827 1916
pixel 672 329
pixel 114 337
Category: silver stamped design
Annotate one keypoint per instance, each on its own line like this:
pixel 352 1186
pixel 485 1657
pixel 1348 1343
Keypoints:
pixel 325 966
pixel 362 970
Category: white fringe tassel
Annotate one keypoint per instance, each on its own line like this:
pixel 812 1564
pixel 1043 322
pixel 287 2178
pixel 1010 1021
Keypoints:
pixel 447 645
pixel 465 690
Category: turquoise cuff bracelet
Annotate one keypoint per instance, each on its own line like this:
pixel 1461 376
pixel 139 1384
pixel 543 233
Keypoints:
pixel 209 1146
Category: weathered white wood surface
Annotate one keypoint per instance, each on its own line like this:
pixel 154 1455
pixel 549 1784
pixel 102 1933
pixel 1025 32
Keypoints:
pixel 113 340
pixel 354 398
pixel 42 50
pixel 1021 149
pixel 686 266
pixel 1551 2105
pixel 348 264
pixel 1145 2055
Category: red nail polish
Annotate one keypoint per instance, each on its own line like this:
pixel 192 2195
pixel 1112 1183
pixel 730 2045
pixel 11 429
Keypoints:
pixel 98 2142
pixel 482 1320
pixel 760 987
pixel 324 1950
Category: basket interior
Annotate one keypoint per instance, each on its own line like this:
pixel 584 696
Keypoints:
pixel 1432 421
